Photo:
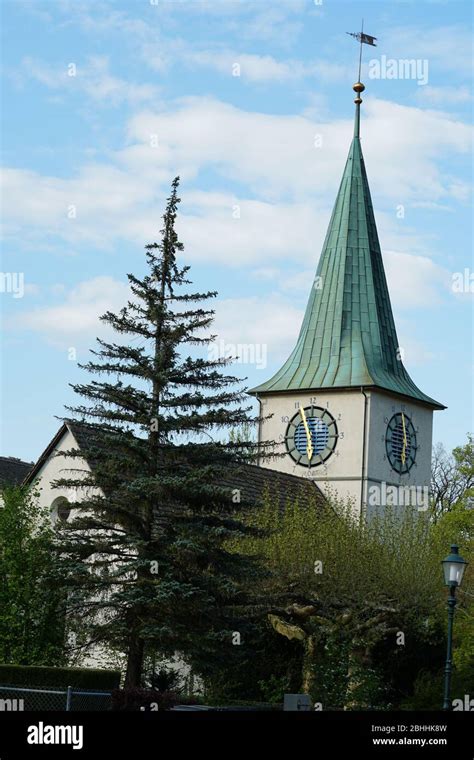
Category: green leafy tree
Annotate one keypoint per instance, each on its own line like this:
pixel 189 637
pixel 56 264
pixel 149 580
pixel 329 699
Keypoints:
pixel 457 526
pixel 31 599
pixel 354 597
pixel 452 478
pixel 149 566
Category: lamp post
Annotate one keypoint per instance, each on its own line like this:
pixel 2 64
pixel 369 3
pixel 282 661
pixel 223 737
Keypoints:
pixel 453 568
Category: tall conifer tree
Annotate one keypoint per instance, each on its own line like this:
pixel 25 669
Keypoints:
pixel 149 565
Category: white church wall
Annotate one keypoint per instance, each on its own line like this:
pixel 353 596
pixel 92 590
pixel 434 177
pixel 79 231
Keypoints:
pixel 341 473
pixel 379 471
pixel 347 473
pixel 58 466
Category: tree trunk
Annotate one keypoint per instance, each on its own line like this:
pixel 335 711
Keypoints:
pixel 359 659
pixel 308 664
pixel 136 648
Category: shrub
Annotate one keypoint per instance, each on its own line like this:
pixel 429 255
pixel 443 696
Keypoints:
pixel 37 675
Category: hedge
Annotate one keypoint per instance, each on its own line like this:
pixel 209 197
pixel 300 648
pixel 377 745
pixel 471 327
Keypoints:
pixel 39 675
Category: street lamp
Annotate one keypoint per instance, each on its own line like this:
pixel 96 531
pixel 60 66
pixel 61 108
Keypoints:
pixel 453 568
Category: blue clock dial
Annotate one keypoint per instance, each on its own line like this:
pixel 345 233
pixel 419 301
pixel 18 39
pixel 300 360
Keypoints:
pixel 311 436
pixel 319 432
pixel 401 443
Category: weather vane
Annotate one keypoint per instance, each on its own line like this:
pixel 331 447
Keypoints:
pixel 362 38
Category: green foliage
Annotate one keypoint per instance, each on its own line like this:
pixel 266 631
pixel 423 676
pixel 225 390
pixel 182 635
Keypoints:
pixel 274 688
pixel 254 670
pixel 31 598
pixel 452 479
pixel 457 526
pixel 166 679
pixel 342 589
pixel 330 672
pixel 464 456
pixel 427 688
pixel 376 562
pixel 81 678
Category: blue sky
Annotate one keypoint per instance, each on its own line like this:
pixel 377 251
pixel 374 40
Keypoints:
pixel 103 103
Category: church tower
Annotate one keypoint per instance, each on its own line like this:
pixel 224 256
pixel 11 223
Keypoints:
pixel 343 409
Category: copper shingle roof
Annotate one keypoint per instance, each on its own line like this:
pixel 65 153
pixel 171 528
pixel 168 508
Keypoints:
pixel 348 336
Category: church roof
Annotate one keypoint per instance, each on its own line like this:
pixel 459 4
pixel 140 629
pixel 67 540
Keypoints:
pixel 251 480
pixel 348 336
pixel 13 471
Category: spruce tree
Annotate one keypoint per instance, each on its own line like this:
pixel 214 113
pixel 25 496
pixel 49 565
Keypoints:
pixel 149 568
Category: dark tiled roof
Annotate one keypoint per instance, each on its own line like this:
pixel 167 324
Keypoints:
pixel 43 458
pixel 85 435
pixel 252 481
pixel 13 471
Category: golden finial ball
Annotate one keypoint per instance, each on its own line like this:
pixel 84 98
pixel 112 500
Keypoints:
pixel 358 87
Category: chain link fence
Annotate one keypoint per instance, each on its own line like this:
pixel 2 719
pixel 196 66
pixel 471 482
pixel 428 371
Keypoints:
pixel 69 699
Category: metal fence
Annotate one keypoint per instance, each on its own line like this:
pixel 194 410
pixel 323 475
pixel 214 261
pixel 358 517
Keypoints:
pixel 69 699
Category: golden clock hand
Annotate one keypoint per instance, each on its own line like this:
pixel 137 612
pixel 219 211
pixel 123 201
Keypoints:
pixel 309 442
pixel 403 456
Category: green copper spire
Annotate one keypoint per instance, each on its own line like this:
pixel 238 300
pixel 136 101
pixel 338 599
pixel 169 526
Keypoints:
pixel 348 337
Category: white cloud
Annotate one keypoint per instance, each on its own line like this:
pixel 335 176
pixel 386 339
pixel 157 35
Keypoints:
pixel 256 68
pixel 441 96
pixel 161 50
pixel 263 232
pixel 77 317
pixel 279 23
pixel 277 154
pixel 415 281
pixel 253 20
pixel 111 204
pixel 414 352
pixel 449 47
pixel 92 207
pixel 299 281
pixel 92 79
pixel 252 67
pixel 291 184
pixel 271 323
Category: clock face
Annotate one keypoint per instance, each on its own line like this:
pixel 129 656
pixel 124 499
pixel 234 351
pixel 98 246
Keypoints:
pixel 400 443
pixel 311 436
